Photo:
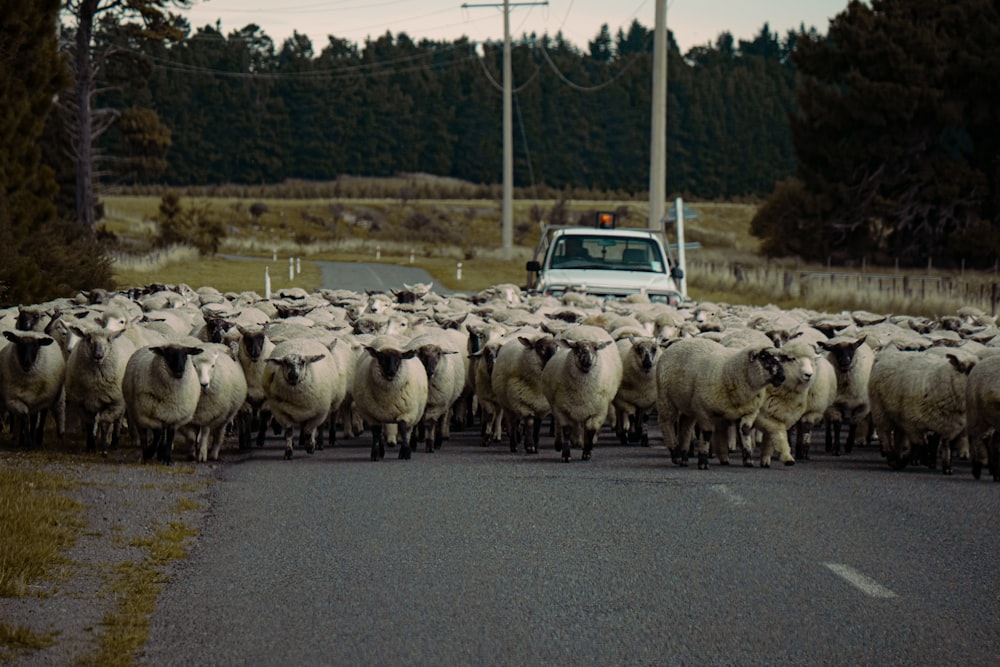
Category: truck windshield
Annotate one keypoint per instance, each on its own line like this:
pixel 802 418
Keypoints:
pixel 606 252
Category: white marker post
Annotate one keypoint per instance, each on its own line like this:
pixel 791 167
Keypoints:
pixel 411 257
pixel 458 271
pixel 378 252
pixel 298 265
pixel 267 282
pixel 291 268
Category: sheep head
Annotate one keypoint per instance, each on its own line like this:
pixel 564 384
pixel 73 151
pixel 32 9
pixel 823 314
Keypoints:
pixel 389 360
pixel 293 366
pixel 204 366
pixel 253 341
pixel 97 340
pixel 770 360
pixel 543 346
pixel 842 352
pixel 176 357
pixel 584 352
pixel 27 346
pixel 645 350
pixel 430 355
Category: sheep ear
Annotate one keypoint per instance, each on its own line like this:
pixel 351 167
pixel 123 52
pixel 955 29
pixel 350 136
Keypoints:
pixel 193 351
pixel 525 341
pixel 314 358
pixel 273 360
pixel 409 354
pixel 46 341
pixel 859 342
pixel 601 346
pixel 11 336
pixel 825 345
pixel 372 351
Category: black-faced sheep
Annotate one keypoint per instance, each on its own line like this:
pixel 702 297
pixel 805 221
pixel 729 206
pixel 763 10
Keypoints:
pixel 699 381
pixel 636 395
pixel 852 361
pixel 982 404
pixel 516 382
pixel 32 379
pixel 390 387
pixel 161 394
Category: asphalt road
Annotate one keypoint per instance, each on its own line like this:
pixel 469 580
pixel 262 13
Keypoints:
pixel 473 555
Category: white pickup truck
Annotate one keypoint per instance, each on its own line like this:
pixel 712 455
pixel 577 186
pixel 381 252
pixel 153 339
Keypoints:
pixel 605 262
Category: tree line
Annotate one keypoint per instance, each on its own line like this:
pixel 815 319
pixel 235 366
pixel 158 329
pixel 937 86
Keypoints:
pixel 240 109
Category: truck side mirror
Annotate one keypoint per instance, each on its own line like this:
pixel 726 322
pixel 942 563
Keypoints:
pixel 677 273
pixel 534 266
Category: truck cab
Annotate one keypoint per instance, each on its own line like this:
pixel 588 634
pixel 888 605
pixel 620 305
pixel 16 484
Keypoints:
pixel 604 261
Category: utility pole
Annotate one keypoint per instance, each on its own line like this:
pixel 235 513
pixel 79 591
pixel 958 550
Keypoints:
pixel 658 130
pixel 508 133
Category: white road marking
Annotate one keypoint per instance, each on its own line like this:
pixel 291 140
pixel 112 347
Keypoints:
pixel 865 584
pixel 728 494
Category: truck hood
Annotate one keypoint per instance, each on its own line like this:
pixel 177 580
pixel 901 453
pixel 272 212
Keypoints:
pixel 614 282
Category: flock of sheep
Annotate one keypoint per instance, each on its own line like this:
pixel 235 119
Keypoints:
pixel 169 362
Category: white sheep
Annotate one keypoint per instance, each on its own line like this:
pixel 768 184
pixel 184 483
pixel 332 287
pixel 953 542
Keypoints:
pixel 32 383
pixel 580 381
pixel 785 404
pixel 819 399
pixel 636 395
pixel 982 393
pixel 516 384
pixel 390 387
pixel 94 374
pixel 701 382
pixel 441 354
pixel 852 361
pixel 916 395
pixel 223 394
pixel 300 381
pixel 161 394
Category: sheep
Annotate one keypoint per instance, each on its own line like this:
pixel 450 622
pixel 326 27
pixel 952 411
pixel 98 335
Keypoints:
pixel 915 395
pixel 390 387
pixel 699 381
pixel 94 374
pixel 982 391
pixel 223 394
pixel 819 399
pixel 161 394
pixel 299 382
pixel 516 384
pixel 32 382
pixel 785 404
pixel 636 395
pixel 579 382
pixel 852 361
pixel 441 355
pixel 252 351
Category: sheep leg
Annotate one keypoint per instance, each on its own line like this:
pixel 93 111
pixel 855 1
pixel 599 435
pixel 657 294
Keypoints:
pixel 945 448
pixel 567 440
pixel 993 456
pixel 440 430
pixel 589 438
pixel 288 442
pixel 307 439
pixel 166 450
pixel 91 428
pixel 621 424
pixel 430 434
pixel 216 436
pixel 404 440
pixel 148 444
pixel 201 455
pixel 378 447
pixel 263 417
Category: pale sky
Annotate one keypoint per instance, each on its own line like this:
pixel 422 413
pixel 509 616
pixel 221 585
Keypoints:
pixel 693 22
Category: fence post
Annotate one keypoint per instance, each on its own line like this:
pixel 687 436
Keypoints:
pixel 993 299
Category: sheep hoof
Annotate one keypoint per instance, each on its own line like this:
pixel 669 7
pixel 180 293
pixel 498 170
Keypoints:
pixel 946 470
pixel 977 469
pixel 724 463
pixel 790 462
pixel 404 452
pixel 702 462
pixel 429 449
pixel 765 464
pixel 288 454
pixel 585 456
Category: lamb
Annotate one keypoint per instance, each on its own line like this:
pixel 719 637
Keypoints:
pixel 223 393
pixel 481 369
pixel 32 379
pixel 390 387
pixel 852 361
pixel 516 384
pixel 299 382
pixel 94 374
pixel 915 395
pixel 580 381
pixel 982 391
pixel 161 394
pixel 636 395
pixel 441 355
pixel 699 381
pixel 785 404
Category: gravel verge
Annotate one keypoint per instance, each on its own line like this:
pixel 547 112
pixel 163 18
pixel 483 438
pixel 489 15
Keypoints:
pixel 124 504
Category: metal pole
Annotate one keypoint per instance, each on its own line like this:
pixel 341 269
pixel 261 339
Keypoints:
pixel 658 130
